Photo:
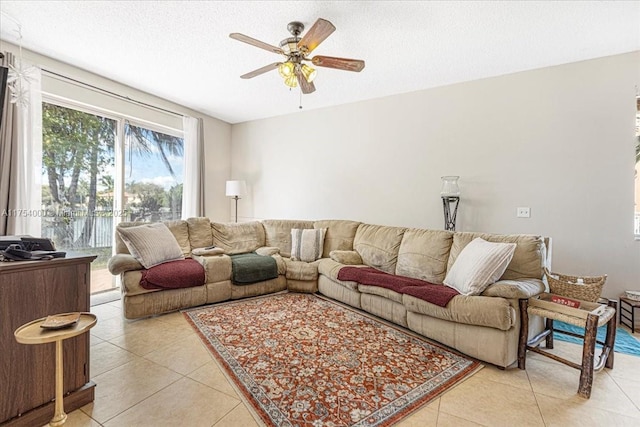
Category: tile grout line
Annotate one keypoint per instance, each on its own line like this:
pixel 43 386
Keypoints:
pixel 624 392
pixel 139 402
pixel 535 396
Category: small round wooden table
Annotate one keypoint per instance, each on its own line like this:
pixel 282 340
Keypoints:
pixel 33 333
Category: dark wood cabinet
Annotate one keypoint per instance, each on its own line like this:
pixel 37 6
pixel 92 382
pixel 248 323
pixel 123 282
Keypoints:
pixel 28 291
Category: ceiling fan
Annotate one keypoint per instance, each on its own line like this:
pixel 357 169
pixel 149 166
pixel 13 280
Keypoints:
pixel 295 50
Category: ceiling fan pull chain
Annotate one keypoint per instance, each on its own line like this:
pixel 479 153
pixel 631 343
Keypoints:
pixel 300 106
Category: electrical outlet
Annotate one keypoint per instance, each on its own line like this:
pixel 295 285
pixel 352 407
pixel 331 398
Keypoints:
pixel 523 212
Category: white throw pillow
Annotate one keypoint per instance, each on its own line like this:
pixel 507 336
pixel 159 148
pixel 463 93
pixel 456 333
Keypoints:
pixel 307 244
pixel 151 244
pixel 479 264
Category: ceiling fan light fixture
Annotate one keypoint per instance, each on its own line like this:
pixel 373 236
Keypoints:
pixel 286 69
pixel 291 81
pixel 295 50
pixel 308 72
pixel 289 45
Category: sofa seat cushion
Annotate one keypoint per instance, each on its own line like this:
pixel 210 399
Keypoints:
pixel 186 273
pixel 436 294
pixel 252 268
pixel 330 268
pixel 382 292
pixel 238 238
pixel 216 268
pixel 131 284
pixel 472 310
pixel 300 270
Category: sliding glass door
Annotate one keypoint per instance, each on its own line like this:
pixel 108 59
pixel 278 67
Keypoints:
pixel 98 171
pixel 153 174
pixel 78 166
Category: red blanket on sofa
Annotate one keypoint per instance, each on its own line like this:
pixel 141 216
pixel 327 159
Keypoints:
pixel 172 275
pixel 435 294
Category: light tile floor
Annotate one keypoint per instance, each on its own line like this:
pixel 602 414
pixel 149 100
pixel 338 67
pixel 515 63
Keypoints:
pixel 156 372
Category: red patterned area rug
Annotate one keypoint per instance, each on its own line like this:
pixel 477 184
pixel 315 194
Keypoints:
pixel 302 360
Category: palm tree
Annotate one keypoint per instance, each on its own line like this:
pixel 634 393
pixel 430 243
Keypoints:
pixel 146 143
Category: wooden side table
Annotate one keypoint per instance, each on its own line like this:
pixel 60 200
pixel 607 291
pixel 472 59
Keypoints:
pixel 589 316
pixel 628 307
pixel 33 333
pixel 31 290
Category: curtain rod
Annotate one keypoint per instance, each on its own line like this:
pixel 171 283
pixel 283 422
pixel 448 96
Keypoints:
pixel 108 92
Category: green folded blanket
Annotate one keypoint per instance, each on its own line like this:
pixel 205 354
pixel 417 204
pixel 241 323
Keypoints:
pixel 251 268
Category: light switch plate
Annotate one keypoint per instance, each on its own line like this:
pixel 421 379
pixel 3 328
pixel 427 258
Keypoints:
pixel 523 212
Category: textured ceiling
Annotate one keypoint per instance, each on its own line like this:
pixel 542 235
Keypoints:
pixel 181 51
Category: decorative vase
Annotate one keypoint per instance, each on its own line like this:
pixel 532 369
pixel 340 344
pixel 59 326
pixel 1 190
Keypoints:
pixel 450 186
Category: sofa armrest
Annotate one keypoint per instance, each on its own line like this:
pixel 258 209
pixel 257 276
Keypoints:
pixel 208 251
pixel 515 289
pixel 268 251
pixel 217 268
pixel 346 257
pixel 120 263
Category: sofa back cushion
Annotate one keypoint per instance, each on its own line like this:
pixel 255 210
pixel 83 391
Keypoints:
pixel 339 236
pixel 200 232
pixel 178 228
pixel 528 259
pixel 378 246
pixel 424 254
pixel 278 233
pixel 238 238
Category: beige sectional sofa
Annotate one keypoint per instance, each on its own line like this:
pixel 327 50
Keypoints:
pixel 485 326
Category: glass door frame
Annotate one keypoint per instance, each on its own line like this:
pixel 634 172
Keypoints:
pixel 119 150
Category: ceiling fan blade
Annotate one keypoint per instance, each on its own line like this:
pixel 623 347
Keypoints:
pixel 305 86
pixel 254 42
pixel 316 35
pixel 260 70
pixel 340 63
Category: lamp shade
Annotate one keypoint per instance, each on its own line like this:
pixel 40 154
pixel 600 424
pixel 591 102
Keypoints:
pixel 308 72
pixel 236 188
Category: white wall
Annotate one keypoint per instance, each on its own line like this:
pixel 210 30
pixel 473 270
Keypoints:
pixel 559 140
pixel 217 133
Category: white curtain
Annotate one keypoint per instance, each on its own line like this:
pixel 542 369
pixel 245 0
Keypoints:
pixel 26 192
pixel 193 187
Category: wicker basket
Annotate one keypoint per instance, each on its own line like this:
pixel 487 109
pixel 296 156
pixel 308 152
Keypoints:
pixel 589 290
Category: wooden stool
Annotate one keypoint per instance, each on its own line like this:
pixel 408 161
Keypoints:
pixel 589 316
pixel 33 333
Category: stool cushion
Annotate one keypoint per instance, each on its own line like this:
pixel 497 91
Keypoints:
pixel 608 313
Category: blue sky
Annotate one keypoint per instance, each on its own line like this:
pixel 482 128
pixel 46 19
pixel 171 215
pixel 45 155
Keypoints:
pixel 152 169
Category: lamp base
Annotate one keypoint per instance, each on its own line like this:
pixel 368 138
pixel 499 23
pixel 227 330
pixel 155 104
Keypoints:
pixel 449 213
pixel 236 199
